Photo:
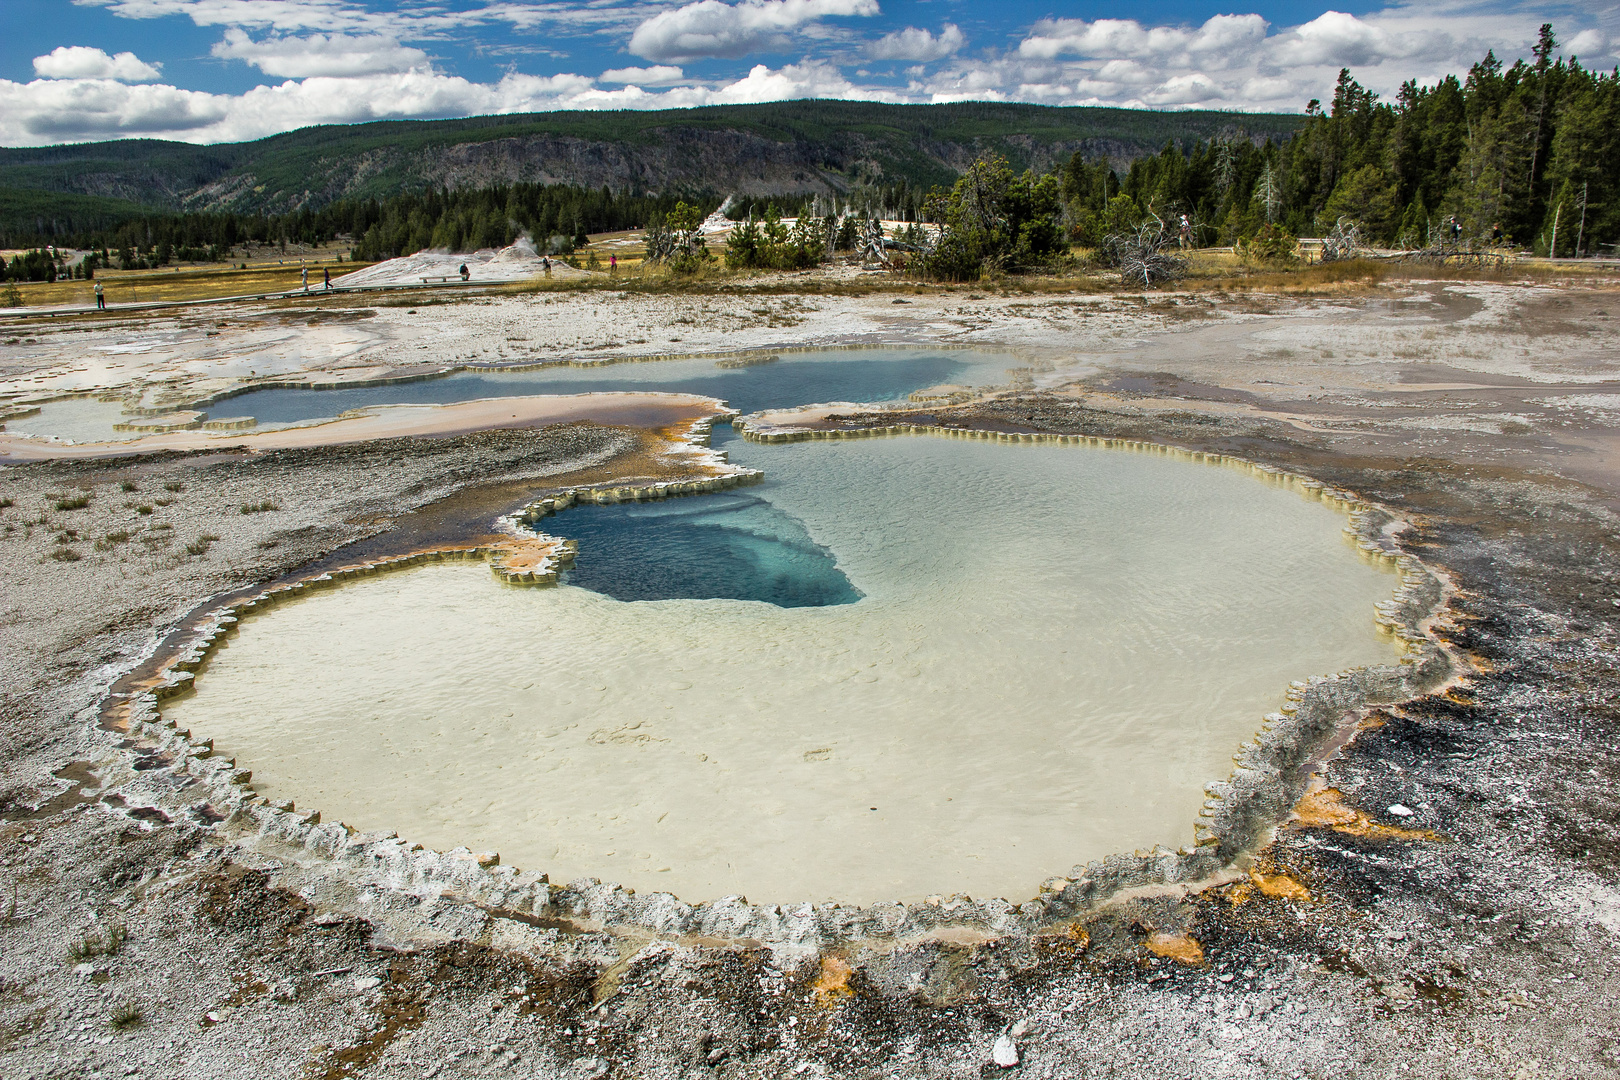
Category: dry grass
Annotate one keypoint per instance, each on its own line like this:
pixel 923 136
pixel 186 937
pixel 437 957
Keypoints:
pixel 1214 271
pixel 1316 277
pixel 202 283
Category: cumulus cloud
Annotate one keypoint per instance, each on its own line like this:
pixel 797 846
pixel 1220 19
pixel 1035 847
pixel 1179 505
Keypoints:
pixel 710 28
pixel 1193 89
pixel 914 43
pixel 79 62
pixel 792 82
pixel 50 110
pixel 657 75
pixel 1127 38
pixel 320 54
pixel 1339 40
pixel 1239 61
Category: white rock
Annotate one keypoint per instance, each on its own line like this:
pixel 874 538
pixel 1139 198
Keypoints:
pixel 1401 811
pixel 1005 1052
pixel 367 982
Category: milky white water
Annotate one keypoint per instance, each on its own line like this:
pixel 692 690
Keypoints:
pixel 1055 649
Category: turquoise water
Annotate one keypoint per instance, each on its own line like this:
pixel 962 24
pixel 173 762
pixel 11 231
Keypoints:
pixel 794 379
pixel 732 546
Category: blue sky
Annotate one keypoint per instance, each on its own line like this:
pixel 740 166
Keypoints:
pixel 223 70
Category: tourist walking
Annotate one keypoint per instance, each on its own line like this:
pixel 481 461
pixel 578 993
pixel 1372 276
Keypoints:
pixel 328 274
pixel 613 264
pixel 101 297
pixel 303 273
pixel 465 273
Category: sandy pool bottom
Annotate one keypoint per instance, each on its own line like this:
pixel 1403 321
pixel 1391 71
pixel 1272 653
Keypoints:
pixel 1055 649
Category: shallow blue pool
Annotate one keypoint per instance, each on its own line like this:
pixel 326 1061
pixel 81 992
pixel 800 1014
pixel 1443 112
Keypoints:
pixel 794 379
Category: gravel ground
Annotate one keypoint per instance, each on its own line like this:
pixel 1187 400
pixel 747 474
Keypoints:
pixel 1473 937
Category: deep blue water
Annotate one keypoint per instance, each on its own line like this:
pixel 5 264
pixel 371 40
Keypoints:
pixel 783 384
pixel 731 545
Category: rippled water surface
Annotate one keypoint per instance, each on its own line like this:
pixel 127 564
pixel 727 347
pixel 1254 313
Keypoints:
pixel 1049 652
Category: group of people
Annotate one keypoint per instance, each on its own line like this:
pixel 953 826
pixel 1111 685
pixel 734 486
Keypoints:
pixel 1452 230
pixel 303 273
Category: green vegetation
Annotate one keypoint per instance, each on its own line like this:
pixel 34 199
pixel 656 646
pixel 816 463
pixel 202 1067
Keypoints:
pixel 259 508
pixel 674 241
pixel 994 220
pixel 39 215
pixel 769 244
pixel 125 1016
pixel 102 939
pixel 556 216
pixel 1528 155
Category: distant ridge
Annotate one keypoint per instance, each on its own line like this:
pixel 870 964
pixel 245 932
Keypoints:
pixel 793 147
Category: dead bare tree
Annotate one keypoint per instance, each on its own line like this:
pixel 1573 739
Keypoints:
pixel 870 243
pixel 1143 254
pixel 660 242
pixel 1445 245
pixel 1343 242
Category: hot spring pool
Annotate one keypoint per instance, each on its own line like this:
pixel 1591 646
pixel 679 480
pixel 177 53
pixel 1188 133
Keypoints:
pixel 795 378
pixel 1008 659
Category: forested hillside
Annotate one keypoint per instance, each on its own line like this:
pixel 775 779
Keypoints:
pixel 783 148
pixel 1524 150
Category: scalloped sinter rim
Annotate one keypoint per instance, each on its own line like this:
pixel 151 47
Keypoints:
pixel 1242 809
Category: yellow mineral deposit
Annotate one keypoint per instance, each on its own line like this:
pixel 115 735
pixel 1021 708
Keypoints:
pixel 832 985
pixel 1279 885
pixel 1182 948
pixel 1326 808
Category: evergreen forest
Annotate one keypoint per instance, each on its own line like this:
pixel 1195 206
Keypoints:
pixel 1527 155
